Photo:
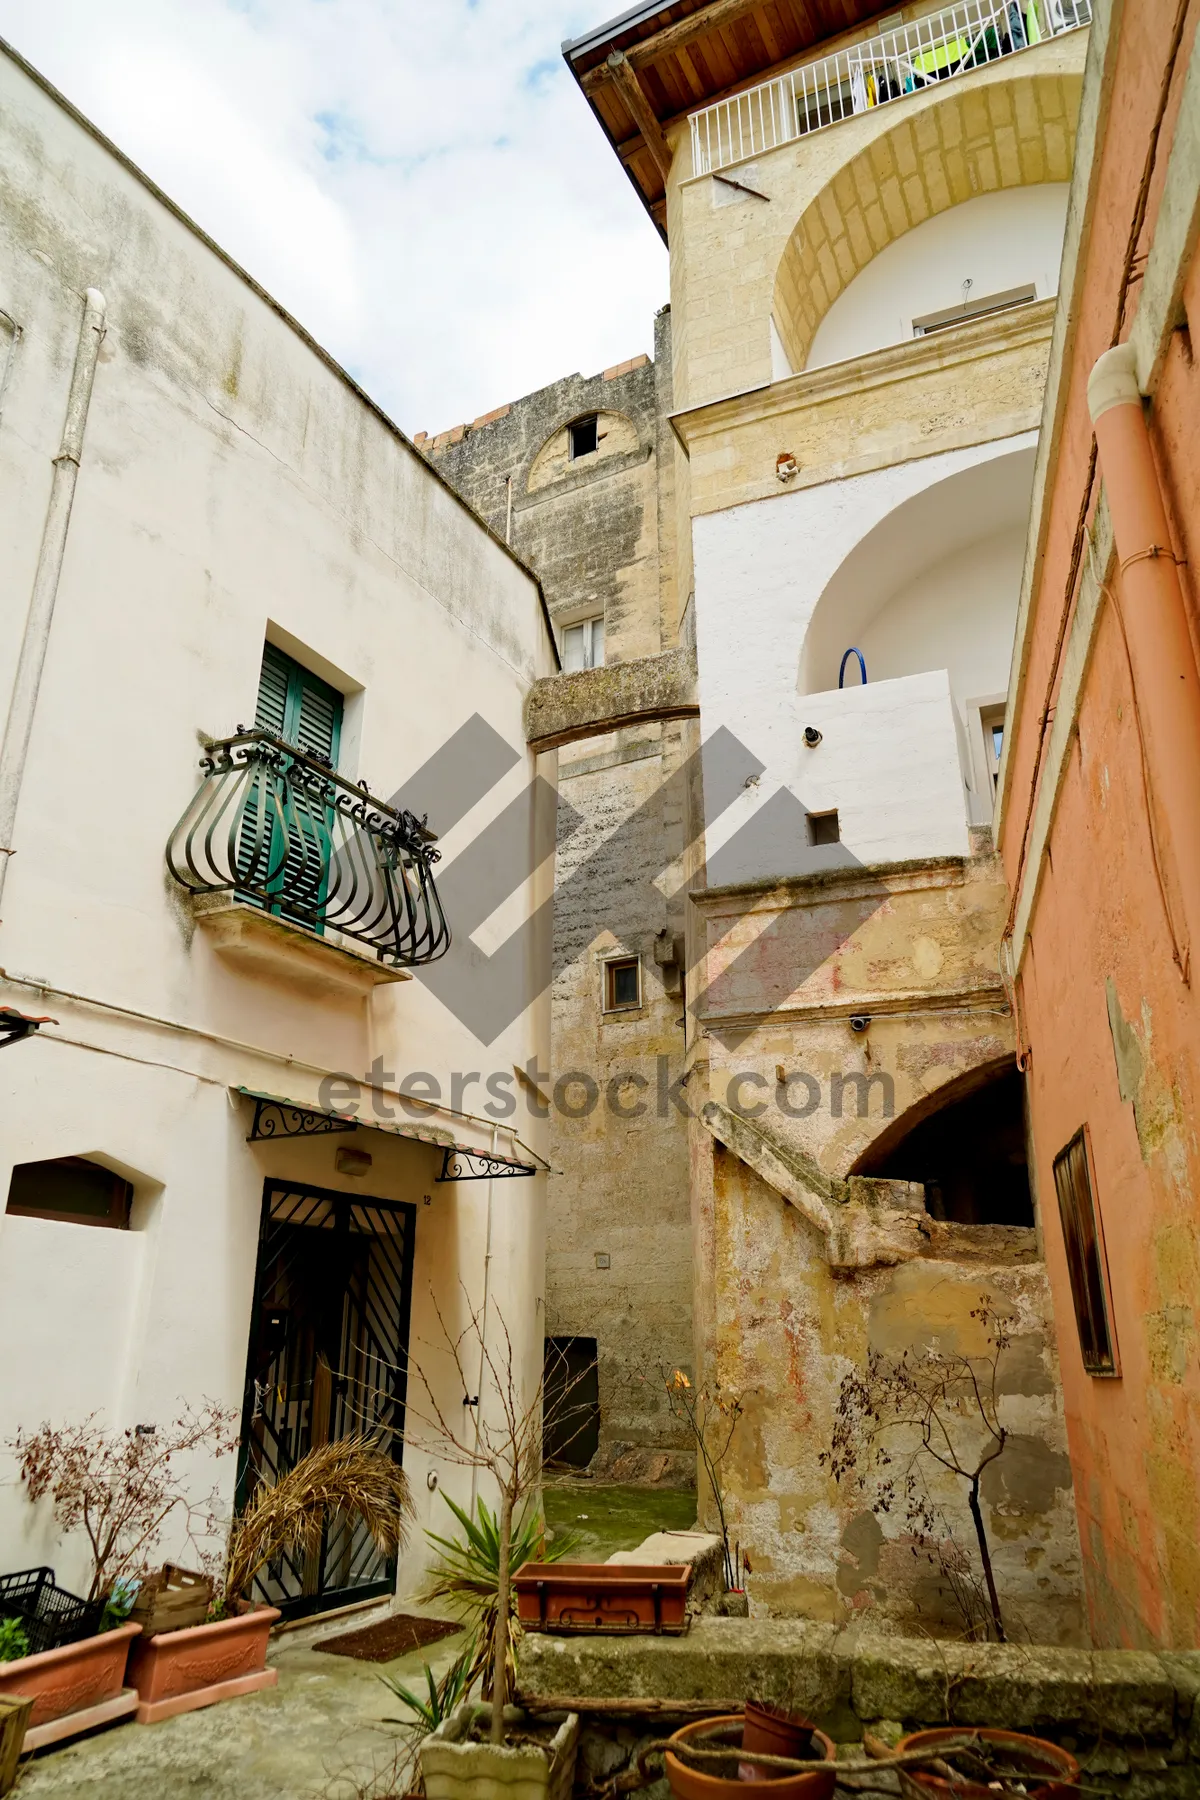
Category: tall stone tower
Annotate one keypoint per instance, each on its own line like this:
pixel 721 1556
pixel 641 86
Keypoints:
pixel 580 479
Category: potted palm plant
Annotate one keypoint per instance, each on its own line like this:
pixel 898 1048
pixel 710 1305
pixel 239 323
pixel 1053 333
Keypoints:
pixel 488 1749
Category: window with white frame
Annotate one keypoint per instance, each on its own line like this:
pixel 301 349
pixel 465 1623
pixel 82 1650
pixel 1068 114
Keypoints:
pixel 583 644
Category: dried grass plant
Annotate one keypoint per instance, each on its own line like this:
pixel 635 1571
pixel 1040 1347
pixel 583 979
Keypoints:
pixel 353 1475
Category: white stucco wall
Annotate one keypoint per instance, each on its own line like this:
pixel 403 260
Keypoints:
pixel 829 562
pixel 233 485
pixel 996 241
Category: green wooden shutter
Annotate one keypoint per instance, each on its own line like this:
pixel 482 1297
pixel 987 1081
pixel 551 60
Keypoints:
pixel 302 709
pixel 273 683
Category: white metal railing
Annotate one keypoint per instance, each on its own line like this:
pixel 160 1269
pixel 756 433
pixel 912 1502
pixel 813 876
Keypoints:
pixel 915 56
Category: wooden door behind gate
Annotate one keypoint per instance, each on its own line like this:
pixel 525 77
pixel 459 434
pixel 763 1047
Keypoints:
pixel 327 1359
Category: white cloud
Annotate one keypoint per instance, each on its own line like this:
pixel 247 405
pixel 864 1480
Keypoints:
pixel 419 181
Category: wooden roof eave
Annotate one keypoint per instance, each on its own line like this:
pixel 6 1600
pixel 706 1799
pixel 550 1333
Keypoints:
pixel 631 151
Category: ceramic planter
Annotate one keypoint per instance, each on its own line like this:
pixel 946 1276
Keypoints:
pixel 180 1671
pixel 73 1688
pixel 454 1767
pixel 692 1783
pixel 773 1732
pixel 1046 1772
pixel 611 1597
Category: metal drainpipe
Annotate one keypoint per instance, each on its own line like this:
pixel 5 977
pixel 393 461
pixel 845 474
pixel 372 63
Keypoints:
pixel 487 1282
pixel 28 678
pixel 1160 645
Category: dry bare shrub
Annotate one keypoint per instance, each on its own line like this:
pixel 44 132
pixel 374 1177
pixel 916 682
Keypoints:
pixel 120 1487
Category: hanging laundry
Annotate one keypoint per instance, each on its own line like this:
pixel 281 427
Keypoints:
pixel 1016 25
pixel 858 89
pixel 1033 30
pixel 871 91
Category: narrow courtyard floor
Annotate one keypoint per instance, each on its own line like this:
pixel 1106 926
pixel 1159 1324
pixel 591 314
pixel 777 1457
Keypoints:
pixel 321 1734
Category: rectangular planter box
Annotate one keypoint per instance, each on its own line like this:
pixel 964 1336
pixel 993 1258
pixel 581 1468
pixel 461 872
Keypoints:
pixel 454 1767
pixel 180 1671
pixel 74 1679
pixel 604 1597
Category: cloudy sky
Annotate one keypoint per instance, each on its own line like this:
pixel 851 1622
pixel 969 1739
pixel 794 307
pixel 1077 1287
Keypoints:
pixel 419 181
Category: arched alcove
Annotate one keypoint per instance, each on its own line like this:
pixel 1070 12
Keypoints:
pixel 992 253
pixel 967 1144
pixel 975 140
pixel 934 585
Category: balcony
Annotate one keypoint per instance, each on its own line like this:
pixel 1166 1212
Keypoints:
pixel 286 841
pixel 919 55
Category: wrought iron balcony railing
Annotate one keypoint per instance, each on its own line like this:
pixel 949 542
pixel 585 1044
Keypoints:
pixel 914 56
pixel 278 827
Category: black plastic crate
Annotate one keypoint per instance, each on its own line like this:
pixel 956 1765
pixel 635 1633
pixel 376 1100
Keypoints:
pixel 50 1615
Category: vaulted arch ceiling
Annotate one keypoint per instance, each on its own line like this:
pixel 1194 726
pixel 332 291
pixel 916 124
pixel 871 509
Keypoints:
pixel 975 141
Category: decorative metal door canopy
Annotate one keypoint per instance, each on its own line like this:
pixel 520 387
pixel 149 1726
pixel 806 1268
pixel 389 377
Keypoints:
pixel 472 1165
pixel 279 828
pixel 280 1119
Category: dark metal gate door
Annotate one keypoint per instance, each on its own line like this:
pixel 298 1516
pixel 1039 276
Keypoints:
pixel 328 1349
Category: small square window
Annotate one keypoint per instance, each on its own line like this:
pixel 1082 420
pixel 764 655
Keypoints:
pixel 584 437
pixel 1087 1264
pixel 823 828
pixel 583 645
pixel 622 984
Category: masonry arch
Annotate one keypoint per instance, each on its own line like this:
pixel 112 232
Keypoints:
pixel 975 140
pixel 615 435
pixel 967 1143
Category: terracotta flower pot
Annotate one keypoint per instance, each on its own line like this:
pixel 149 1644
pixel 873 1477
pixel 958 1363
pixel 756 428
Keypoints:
pixel 74 1687
pixel 773 1732
pixel 691 1783
pixel 180 1671
pixel 1053 1772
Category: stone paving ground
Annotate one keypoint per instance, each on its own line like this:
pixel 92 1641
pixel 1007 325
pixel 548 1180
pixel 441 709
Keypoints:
pixel 320 1734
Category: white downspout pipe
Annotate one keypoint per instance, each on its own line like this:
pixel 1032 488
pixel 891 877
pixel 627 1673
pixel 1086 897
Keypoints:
pixel 28 679
pixel 487 1284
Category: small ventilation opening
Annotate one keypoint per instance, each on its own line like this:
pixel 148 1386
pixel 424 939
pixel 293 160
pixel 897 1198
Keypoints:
pixel 970 1156
pixel 823 828
pixel 70 1189
pixel 571 1401
pixel 584 438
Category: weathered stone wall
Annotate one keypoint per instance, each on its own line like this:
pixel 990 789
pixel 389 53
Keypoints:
pixel 621 1189
pixel 590 528
pixel 1129 1717
pixel 600 532
pixel 783 971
